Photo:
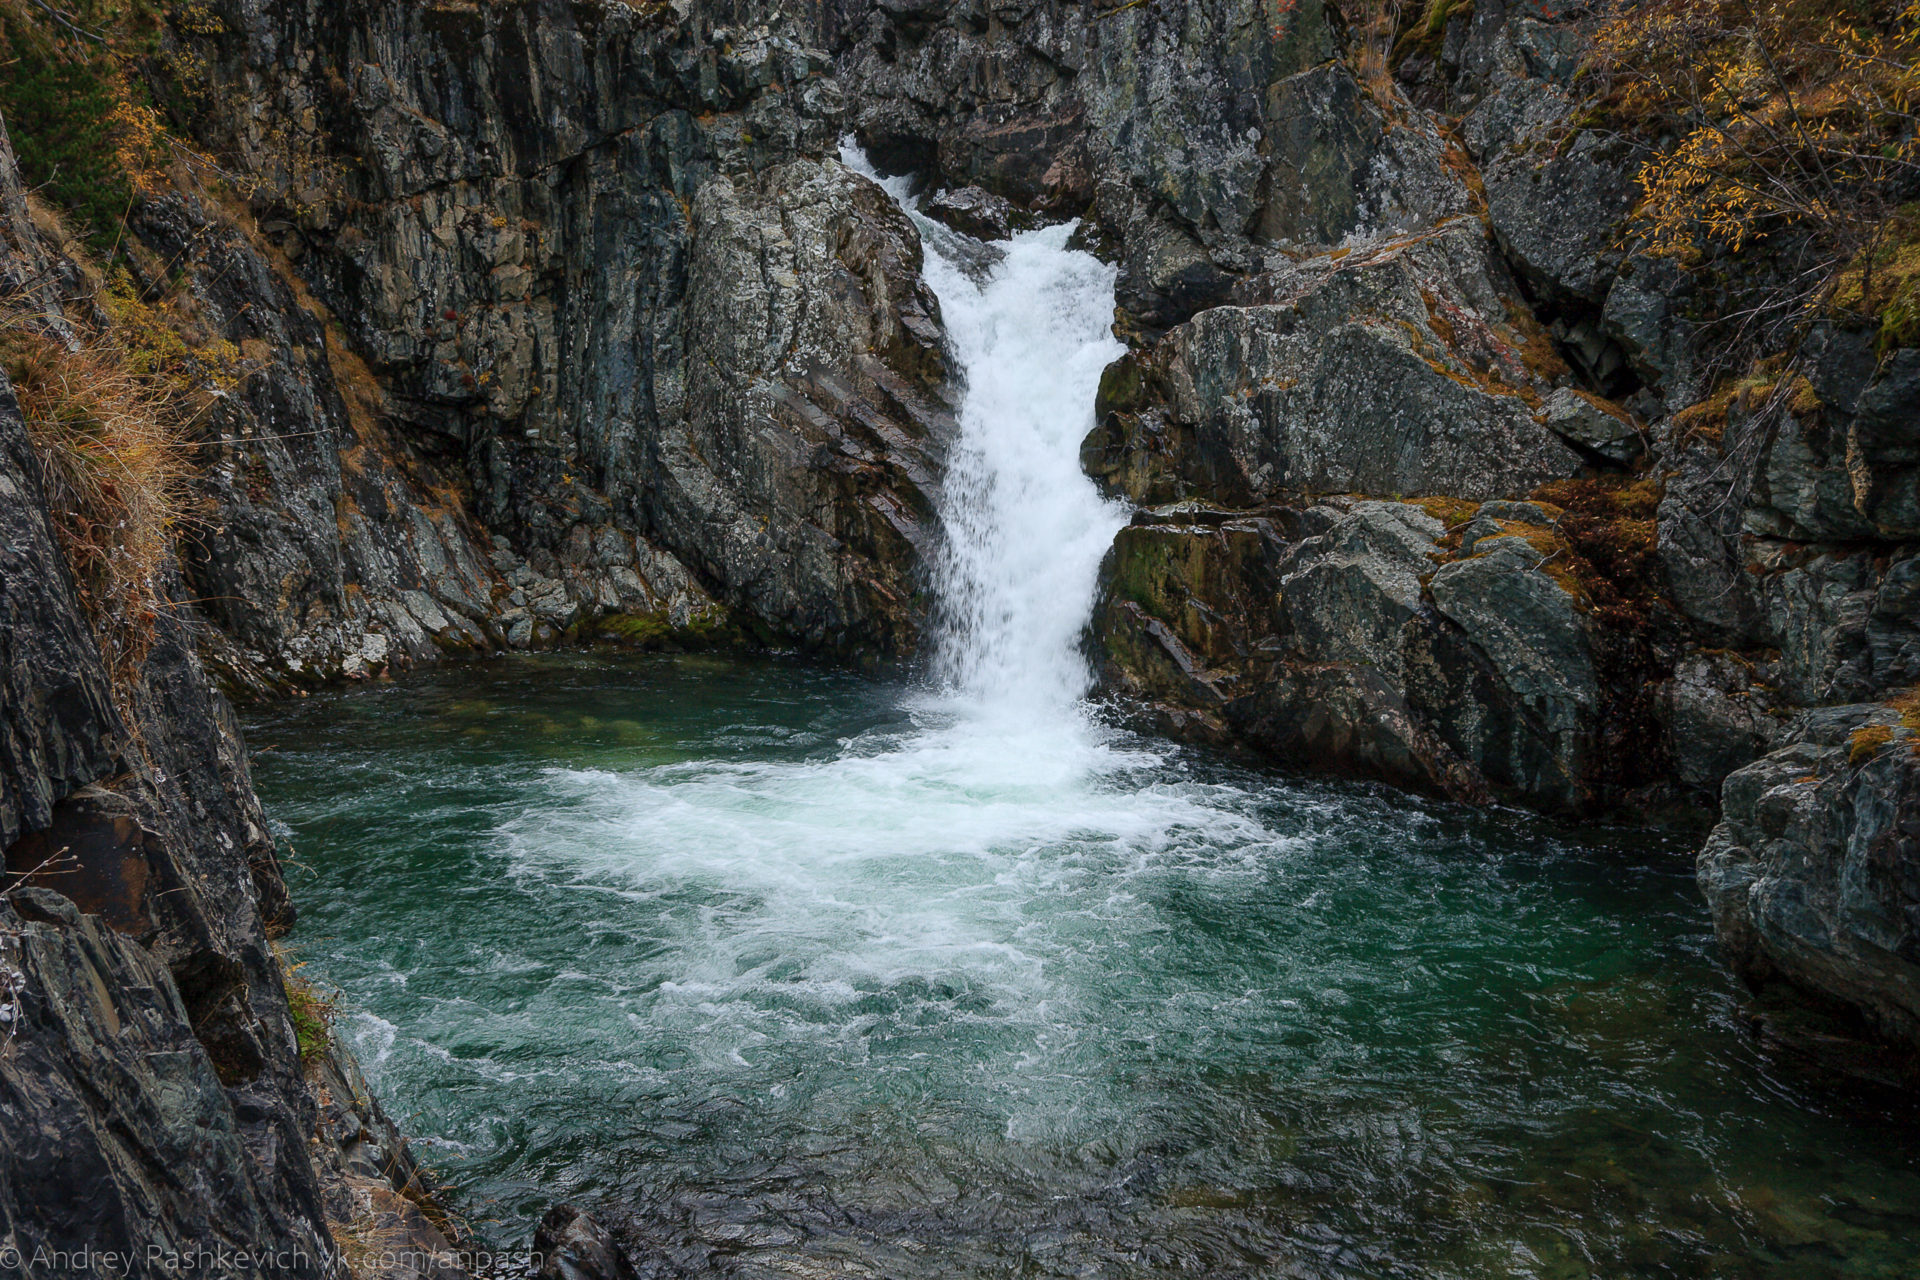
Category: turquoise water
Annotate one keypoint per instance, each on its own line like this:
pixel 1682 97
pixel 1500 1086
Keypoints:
pixel 795 972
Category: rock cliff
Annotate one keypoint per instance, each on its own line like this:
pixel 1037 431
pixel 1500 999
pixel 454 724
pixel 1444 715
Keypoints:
pixel 620 338
pixel 158 1104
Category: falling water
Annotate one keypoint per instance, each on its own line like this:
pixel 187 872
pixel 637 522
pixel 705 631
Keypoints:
pixel 1024 525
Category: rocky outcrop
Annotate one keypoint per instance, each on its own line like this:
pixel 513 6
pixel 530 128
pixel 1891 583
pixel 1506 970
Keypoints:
pixel 1399 368
pixel 123 1139
pixel 152 1080
pixel 159 1110
pixel 811 422
pixel 592 284
pixel 1332 287
pixel 1364 634
pixel 1811 874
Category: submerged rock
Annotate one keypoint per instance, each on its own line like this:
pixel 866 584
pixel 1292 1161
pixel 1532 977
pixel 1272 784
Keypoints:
pixel 575 1247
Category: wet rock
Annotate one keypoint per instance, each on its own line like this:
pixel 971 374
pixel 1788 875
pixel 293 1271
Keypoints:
pixel 1811 874
pixel 974 212
pixel 1335 639
pixel 575 1247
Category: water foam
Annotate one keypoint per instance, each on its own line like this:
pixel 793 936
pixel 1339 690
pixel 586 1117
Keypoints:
pixel 940 850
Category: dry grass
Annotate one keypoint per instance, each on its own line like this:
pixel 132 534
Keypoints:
pixel 111 437
pixel 1373 28
pixel 1866 741
pixel 1452 512
pixel 312 1010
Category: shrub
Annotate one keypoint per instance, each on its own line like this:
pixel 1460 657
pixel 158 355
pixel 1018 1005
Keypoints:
pixel 61 114
pixel 116 460
pixel 1783 121
pixel 311 1010
pixel 76 109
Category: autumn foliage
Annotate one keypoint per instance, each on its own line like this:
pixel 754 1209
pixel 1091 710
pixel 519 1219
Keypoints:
pixel 1768 122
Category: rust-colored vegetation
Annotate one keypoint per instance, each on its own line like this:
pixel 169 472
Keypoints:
pixel 1608 523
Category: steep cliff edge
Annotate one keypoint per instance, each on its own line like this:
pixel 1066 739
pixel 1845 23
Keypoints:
pixel 158 1105
pixel 613 291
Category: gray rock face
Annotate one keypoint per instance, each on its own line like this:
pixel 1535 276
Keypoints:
pixel 804 472
pixel 1337 638
pixel 1031 100
pixel 1535 638
pixel 122 1138
pixel 1589 423
pixel 531 220
pixel 1811 874
pixel 1716 718
pixel 59 729
pixel 1340 171
pixel 157 1103
pixel 1198 137
pixel 1388 370
pixel 1850 469
pixel 152 1080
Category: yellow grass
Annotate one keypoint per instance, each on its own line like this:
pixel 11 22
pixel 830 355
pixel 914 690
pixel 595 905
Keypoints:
pixel 116 460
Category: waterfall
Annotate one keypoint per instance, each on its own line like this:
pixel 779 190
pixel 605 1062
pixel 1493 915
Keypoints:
pixel 1025 527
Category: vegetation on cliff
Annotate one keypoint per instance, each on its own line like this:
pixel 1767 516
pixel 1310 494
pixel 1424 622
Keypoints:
pixel 1780 135
pixel 110 408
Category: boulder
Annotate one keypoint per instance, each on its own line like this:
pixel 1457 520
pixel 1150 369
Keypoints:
pixel 1813 874
pixel 974 212
pixel 1395 369
pixel 1341 638
pixel 1598 426
pixel 572 1246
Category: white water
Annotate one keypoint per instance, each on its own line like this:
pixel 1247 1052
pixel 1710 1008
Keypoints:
pixel 923 849
pixel 1025 527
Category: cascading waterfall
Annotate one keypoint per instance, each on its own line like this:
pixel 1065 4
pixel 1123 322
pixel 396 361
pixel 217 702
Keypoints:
pixel 1025 527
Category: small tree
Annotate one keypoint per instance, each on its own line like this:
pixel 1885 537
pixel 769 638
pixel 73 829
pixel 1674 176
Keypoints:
pixel 1776 122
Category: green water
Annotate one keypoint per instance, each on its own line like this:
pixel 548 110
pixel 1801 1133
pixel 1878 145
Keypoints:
pixel 797 973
